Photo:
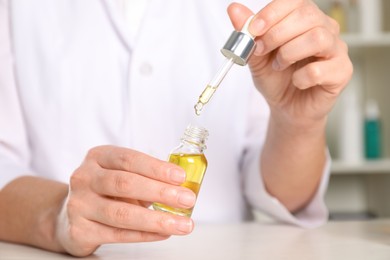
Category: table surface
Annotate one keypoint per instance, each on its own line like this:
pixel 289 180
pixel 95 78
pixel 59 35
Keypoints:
pixel 335 240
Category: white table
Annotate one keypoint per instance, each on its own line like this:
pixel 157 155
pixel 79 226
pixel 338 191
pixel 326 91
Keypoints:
pixel 336 240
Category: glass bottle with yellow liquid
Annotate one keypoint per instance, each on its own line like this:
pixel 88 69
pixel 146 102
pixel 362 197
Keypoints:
pixel 189 155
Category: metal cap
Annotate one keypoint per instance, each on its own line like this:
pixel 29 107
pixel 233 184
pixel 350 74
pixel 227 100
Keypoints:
pixel 239 47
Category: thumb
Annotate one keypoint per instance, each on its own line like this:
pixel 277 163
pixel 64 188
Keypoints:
pixel 238 15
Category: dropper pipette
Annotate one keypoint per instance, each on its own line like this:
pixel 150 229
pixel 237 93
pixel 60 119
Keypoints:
pixel 237 50
pixel 208 92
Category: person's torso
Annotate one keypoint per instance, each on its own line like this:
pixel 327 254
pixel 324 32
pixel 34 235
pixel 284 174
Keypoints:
pixel 83 81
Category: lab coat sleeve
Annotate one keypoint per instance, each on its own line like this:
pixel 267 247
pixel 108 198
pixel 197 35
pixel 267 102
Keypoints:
pixel 314 214
pixel 14 154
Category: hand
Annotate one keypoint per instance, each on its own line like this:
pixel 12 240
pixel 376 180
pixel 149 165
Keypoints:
pixel 108 199
pixel 300 65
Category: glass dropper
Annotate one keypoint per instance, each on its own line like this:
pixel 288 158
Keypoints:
pixel 208 92
pixel 237 50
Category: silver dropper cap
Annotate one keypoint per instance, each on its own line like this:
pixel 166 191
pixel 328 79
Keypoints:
pixel 240 45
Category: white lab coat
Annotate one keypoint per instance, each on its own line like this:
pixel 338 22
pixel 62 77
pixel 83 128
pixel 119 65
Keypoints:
pixel 71 78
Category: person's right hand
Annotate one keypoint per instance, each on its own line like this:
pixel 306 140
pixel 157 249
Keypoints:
pixel 109 196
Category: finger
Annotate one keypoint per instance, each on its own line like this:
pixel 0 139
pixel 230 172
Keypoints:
pixel 120 235
pixel 272 14
pixel 317 42
pixel 87 235
pixel 298 22
pixel 317 74
pixel 119 214
pixel 103 234
pixel 118 158
pixel 133 186
pixel 238 14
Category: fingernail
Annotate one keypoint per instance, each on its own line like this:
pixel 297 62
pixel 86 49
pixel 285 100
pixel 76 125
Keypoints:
pixel 256 26
pixel 184 225
pixel 187 198
pixel 259 48
pixel 177 176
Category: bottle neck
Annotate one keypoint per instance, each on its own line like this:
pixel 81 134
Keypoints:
pixel 196 137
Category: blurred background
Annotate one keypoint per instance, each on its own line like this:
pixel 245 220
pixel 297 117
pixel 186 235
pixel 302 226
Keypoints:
pixel 359 126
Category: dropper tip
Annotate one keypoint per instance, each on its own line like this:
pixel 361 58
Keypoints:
pixel 198 108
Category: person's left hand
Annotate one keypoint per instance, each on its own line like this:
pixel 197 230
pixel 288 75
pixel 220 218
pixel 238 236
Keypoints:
pixel 300 64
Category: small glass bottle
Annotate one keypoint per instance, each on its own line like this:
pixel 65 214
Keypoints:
pixel 372 131
pixel 189 155
pixel 337 12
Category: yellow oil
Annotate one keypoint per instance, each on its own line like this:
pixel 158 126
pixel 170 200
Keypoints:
pixel 207 93
pixel 204 98
pixel 195 167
